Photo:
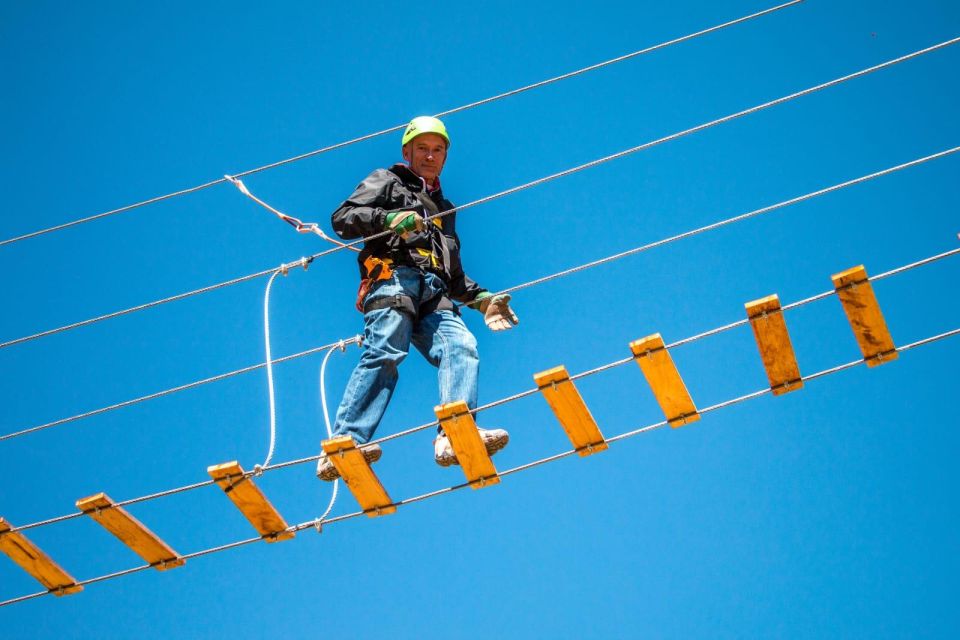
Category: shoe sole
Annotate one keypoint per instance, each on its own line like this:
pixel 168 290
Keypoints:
pixel 330 474
pixel 493 445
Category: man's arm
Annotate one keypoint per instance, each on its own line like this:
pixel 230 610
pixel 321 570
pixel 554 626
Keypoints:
pixel 363 213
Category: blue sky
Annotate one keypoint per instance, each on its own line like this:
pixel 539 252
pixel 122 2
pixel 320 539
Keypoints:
pixel 828 512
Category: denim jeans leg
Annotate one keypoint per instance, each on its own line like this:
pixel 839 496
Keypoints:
pixel 447 343
pixel 386 342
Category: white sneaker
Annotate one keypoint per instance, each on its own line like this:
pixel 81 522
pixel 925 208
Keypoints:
pixel 493 439
pixel 326 471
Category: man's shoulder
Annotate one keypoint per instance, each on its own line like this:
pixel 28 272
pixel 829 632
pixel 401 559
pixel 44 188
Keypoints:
pixel 382 174
pixel 378 178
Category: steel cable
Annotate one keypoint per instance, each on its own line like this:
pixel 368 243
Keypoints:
pixel 507 472
pixel 382 132
pixel 505 400
pixel 510 191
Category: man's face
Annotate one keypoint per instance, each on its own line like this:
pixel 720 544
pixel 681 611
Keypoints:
pixel 426 154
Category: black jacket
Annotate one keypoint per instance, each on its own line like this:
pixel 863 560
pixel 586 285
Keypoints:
pixel 436 249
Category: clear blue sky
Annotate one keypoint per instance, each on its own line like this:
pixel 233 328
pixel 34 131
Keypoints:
pixel 829 512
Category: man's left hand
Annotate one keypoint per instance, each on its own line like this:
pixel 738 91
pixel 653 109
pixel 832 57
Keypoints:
pixel 497 313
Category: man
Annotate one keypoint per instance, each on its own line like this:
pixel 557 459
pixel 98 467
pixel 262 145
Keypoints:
pixel 409 280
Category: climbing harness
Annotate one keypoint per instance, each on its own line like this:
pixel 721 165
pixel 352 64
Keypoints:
pixel 376 269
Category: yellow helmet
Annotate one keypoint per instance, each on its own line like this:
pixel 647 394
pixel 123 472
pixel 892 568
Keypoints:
pixel 425 124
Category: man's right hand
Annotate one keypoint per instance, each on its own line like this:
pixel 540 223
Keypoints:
pixel 403 223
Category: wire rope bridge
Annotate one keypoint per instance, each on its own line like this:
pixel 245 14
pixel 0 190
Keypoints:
pixel 765 316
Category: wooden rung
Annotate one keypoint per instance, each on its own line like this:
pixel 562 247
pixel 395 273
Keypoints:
pixel 574 416
pixel 247 497
pixel 358 476
pixel 863 311
pixel 665 381
pixel 35 562
pixel 130 531
pixel 773 340
pixel 457 422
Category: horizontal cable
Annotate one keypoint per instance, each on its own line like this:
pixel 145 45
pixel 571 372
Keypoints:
pixel 172 390
pixel 508 399
pixel 658 141
pixel 396 128
pixel 733 220
pixel 513 190
pixel 140 307
pixel 531 283
pixel 524 467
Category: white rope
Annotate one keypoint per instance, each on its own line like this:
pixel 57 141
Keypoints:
pixel 282 269
pixel 270 390
pixel 296 223
pixel 342 345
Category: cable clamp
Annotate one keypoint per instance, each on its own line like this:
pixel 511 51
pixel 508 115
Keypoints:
pixel 318 525
pixel 342 345
pixel 257 470
pixel 238 184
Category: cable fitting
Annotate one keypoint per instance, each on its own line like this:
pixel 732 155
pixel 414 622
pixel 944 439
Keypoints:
pixel 257 470
pixel 318 525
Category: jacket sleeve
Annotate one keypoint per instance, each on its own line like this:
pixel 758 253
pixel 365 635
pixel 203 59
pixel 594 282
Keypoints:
pixel 364 212
pixel 462 288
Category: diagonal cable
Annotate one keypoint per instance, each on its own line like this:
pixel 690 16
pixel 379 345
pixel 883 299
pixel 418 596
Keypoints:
pixel 502 401
pixel 506 192
pixel 393 129
pixel 508 472
pixel 541 280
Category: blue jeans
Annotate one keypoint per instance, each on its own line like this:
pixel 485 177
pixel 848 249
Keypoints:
pixel 441 336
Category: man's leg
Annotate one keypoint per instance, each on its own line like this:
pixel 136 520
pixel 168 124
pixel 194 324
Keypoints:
pixel 444 340
pixel 385 344
pixel 447 343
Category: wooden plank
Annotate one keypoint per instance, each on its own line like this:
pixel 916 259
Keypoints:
pixel 248 497
pixel 130 531
pixel 665 381
pixel 773 341
pixel 358 476
pixel 457 422
pixel 572 412
pixel 35 562
pixel 863 312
